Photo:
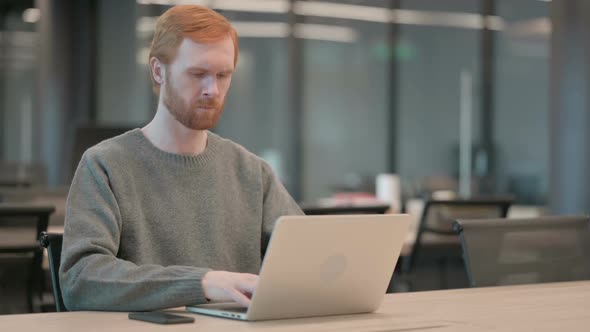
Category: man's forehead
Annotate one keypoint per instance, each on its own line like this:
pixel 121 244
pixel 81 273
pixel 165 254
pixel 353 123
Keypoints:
pixel 223 46
pixel 206 54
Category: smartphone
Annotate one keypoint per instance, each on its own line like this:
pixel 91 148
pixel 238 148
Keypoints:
pixel 160 317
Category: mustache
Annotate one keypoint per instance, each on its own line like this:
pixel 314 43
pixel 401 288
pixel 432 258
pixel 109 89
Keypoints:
pixel 206 103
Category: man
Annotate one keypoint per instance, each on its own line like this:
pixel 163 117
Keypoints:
pixel 172 214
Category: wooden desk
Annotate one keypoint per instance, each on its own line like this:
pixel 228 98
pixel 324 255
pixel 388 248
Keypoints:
pixel 543 307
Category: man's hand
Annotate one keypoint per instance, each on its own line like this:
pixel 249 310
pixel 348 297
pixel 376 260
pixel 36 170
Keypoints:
pixel 223 286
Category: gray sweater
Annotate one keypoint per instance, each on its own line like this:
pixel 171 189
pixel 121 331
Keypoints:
pixel 143 226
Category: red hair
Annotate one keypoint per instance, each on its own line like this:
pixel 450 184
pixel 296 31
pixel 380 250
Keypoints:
pixel 198 23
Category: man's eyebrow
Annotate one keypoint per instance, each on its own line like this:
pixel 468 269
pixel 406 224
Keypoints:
pixel 228 70
pixel 196 69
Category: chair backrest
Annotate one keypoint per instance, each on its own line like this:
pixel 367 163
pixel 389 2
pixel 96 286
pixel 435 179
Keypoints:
pixel 438 217
pixel 53 242
pixel 87 136
pixel 522 251
pixel 21 224
pixel 39 196
pixel 351 209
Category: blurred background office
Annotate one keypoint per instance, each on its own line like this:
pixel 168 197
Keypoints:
pixel 464 98
pixel 331 93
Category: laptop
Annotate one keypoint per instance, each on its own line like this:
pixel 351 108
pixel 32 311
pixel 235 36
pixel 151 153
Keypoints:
pixel 322 265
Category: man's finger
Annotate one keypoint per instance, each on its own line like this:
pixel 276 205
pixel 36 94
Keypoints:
pixel 252 277
pixel 239 298
pixel 247 286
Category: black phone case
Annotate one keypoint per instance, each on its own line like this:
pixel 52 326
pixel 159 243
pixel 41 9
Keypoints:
pixel 160 317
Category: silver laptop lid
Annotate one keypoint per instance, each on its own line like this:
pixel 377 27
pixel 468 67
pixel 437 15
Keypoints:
pixel 327 265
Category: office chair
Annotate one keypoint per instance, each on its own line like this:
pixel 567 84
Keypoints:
pixel 20 225
pixel 87 136
pixel 348 209
pixel 53 242
pixel 523 251
pixel 435 237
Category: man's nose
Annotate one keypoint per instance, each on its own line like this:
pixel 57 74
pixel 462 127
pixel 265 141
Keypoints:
pixel 210 88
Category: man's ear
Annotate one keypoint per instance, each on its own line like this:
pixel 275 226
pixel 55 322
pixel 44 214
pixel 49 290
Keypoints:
pixel 157 70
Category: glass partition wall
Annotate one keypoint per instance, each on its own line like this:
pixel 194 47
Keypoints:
pixel 332 93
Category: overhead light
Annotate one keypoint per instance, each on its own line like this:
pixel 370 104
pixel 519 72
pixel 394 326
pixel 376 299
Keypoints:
pixel 301 30
pixel 174 2
pixel 31 15
pixel 532 28
pixel 495 23
pixel 432 18
pixel 325 32
pixel 261 29
pixel 336 10
pixel 146 24
pixel 256 6
pixel 141 57
pixel 352 12
pixel 400 16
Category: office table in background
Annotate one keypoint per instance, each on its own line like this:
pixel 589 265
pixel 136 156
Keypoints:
pixel 541 307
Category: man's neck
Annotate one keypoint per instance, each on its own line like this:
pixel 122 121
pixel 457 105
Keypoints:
pixel 169 135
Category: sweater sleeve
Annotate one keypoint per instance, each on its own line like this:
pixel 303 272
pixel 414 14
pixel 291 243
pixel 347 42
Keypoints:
pixel 91 275
pixel 277 202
